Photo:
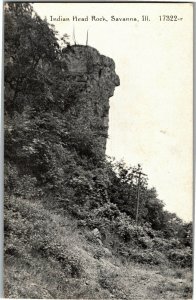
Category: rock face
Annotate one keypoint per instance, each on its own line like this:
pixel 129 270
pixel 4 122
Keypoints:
pixel 95 78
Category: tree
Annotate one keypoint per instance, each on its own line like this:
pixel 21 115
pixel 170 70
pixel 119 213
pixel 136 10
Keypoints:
pixel 154 213
pixel 29 45
pixel 124 188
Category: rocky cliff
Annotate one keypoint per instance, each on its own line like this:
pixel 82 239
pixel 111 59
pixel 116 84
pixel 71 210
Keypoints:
pixel 94 77
pixel 61 106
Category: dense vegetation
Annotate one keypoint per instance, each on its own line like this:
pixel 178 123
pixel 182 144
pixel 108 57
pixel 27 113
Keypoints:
pixel 51 161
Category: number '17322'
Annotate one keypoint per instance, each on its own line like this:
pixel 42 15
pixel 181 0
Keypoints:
pixel 171 18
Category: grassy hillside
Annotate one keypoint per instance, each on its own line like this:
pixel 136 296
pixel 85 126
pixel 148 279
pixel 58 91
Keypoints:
pixel 47 256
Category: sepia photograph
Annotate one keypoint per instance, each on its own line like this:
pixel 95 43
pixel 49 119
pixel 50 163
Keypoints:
pixel 98 150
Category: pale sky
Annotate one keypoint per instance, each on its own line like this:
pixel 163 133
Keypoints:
pixel 150 118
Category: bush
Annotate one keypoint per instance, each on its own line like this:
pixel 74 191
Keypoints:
pixel 147 257
pixel 181 257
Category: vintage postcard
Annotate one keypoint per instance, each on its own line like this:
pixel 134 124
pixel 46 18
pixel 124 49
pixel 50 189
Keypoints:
pixel 98 178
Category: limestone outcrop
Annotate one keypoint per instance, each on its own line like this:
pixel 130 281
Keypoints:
pixel 94 76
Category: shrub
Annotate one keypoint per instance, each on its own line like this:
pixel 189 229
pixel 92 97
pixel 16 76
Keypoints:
pixel 147 257
pixel 181 257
